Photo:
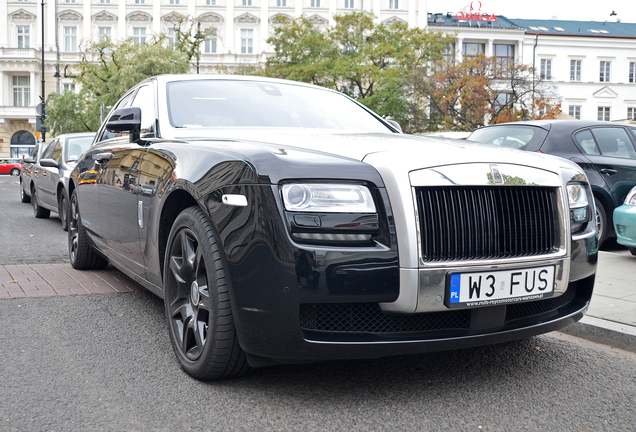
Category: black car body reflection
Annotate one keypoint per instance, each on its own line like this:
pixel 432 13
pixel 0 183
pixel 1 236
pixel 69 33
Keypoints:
pixel 282 223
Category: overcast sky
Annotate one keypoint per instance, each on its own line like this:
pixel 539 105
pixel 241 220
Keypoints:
pixel 581 10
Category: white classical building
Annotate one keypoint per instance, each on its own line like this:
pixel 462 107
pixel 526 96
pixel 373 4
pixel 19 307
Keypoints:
pixel 591 64
pixel 600 84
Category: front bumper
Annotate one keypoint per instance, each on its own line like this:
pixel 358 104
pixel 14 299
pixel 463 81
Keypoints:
pixel 625 225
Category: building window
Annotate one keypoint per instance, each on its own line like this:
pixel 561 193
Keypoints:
pixel 209 45
pixel 104 1
pixel 631 113
pixel 247 38
pixel 605 71
pixel 104 34
pixel 449 54
pixel 575 70
pixel 470 49
pixel 172 37
pixel 603 113
pixel 546 69
pixel 575 111
pixel 393 4
pixel 504 58
pixel 21 91
pixel 247 2
pixel 70 39
pixel 140 1
pixel 23 37
pixel 174 2
pixel 281 3
pixel 210 2
pixel 502 101
pixel 348 4
pixel 632 72
pixel 70 87
pixel 315 3
pixel 70 1
pixel 139 35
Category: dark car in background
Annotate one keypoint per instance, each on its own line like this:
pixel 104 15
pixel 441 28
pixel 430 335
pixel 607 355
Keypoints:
pixel 286 223
pixel 606 151
pixel 47 184
pixel 10 166
pixel 26 175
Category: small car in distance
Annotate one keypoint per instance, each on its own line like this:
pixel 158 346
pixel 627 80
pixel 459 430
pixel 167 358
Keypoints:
pixel 10 166
pixel 50 175
pixel 625 222
pixel 605 150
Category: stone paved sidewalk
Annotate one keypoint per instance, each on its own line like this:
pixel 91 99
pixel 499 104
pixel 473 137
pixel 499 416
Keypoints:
pixel 41 280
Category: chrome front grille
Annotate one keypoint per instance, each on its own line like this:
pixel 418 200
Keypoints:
pixel 460 223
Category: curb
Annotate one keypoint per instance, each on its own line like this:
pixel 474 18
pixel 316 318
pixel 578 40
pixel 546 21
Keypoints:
pixel 605 332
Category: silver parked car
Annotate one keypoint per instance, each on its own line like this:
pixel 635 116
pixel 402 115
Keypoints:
pixel 47 183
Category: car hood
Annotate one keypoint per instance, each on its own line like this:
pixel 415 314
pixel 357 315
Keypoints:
pixel 410 152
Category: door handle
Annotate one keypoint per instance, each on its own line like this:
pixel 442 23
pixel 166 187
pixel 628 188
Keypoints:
pixel 103 157
pixel 609 171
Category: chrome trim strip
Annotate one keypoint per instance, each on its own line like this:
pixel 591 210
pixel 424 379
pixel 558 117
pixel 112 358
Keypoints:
pixel 407 300
pixel 584 236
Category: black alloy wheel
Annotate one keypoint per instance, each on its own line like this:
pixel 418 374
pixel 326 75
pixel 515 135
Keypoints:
pixel 23 196
pixel 15 172
pixel 39 211
pixel 197 301
pixel 62 209
pixel 601 222
pixel 80 253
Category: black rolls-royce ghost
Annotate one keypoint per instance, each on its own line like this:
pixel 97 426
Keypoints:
pixel 283 222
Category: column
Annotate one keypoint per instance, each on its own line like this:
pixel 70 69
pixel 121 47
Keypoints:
pixel 412 18
pixel 4 30
pixel 264 27
pixel 230 27
pixel 422 14
pixel 51 23
pixel 489 51
pixel 377 9
pixel 87 28
pixel 156 16
pixel 121 28
pixel 332 11
pixel 35 89
pixel 459 49
pixel 298 8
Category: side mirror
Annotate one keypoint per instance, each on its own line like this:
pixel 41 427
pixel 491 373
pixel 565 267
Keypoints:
pixel 125 120
pixel 394 124
pixel 28 159
pixel 50 163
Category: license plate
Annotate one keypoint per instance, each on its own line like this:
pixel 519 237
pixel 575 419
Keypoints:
pixel 498 287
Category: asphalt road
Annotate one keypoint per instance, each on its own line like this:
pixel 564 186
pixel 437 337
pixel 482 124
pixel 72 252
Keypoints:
pixel 104 362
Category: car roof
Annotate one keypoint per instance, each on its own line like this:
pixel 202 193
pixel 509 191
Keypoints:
pixel 163 79
pixel 561 124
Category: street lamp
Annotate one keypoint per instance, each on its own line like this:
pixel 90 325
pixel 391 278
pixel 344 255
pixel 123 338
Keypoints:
pixel 43 115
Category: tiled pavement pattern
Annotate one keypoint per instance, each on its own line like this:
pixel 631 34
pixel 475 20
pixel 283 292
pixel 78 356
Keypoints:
pixel 42 280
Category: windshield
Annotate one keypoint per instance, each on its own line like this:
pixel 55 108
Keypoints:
pixel 224 103
pixel 76 146
pixel 517 137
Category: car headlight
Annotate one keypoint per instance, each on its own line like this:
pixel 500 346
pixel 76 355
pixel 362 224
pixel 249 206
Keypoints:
pixel 630 199
pixel 327 198
pixel 577 197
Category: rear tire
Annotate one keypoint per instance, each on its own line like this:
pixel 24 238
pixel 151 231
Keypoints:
pixel 15 172
pixel 601 222
pixel 23 196
pixel 197 301
pixel 80 253
pixel 39 211
pixel 62 209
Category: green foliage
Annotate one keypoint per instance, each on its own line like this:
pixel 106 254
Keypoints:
pixel 107 70
pixel 368 61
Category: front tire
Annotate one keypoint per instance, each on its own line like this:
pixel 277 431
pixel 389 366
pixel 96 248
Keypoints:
pixel 197 301
pixel 79 251
pixel 39 211
pixel 601 222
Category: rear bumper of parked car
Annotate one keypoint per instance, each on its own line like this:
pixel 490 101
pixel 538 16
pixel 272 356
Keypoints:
pixel 286 326
pixel 625 225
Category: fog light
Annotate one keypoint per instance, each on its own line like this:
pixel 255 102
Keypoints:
pixel 579 214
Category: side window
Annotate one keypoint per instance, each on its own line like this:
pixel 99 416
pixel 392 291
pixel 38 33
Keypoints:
pixel 145 99
pixel 34 152
pixel 586 142
pixel 53 151
pixel 106 134
pixel 614 142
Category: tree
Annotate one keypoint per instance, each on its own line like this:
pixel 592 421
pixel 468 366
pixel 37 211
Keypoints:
pixel 108 69
pixel 368 61
pixel 482 89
